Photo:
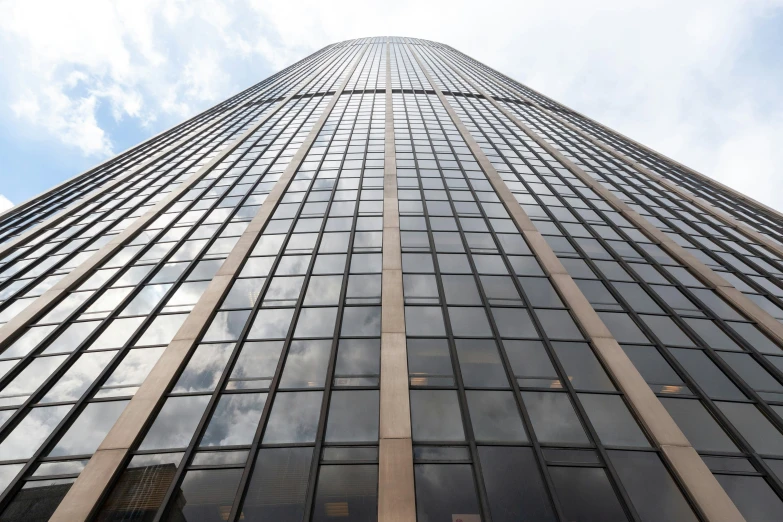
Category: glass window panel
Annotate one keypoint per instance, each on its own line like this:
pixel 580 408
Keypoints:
pixel 324 290
pixel 28 435
pixel 639 299
pixel 268 324
pixel 145 300
pixel 586 495
pixel 78 377
pixel 136 494
pixel 357 357
pixel 37 500
pixel 623 328
pixel 531 364
pixel 204 368
pixel 757 430
pixel 655 370
pixel 711 334
pixel 554 418
pixel 435 416
pixel 653 492
pixel 515 488
pixel 754 498
pixel 117 333
pixel 278 486
pixel 29 379
pixel 514 322
pixel 316 322
pixel 294 418
pixel 361 321
pixel 701 429
pixel 469 322
pixel 558 324
pixel 255 366
pixel 445 492
pixel 235 420
pixel 666 330
pixel 71 338
pixel 707 375
pixel 30 340
pixel 162 330
pixel 583 369
pixel 429 362
pixel 495 416
pixel 353 416
pixel 176 422
pixel 612 420
pixel 480 364
pixel 244 293
pixel 205 495
pixel 305 364
pixel 540 292
pixel 755 338
pixel 346 493
pixel 424 320
pixel 753 374
pixel 460 289
pixel 89 429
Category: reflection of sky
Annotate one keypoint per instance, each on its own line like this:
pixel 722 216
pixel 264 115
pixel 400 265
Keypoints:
pixel 117 333
pixel 78 377
pixel 28 341
pixel 71 337
pixel 435 415
pixel 31 377
pixel 271 324
pixel 176 422
pixel 86 433
pixel 162 330
pixel 553 417
pixel 235 420
pixel 204 368
pixel 495 417
pixel 28 435
pixel 135 367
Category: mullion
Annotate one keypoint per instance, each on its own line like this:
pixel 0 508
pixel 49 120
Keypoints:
pixel 71 415
pixel 460 387
pixel 650 334
pixel 585 420
pixel 215 396
pixel 273 386
pixel 328 385
pixel 495 332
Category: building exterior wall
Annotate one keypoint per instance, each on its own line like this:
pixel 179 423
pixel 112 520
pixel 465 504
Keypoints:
pixel 390 283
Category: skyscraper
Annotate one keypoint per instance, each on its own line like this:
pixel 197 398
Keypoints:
pixel 390 283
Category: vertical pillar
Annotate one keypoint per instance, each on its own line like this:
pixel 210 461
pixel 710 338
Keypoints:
pixel 396 495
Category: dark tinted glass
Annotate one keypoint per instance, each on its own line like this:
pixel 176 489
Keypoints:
pixel 480 364
pixel 515 488
pixel 583 369
pixel 586 495
pixel 753 497
pixel 553 417
pixel 278 486
pixel 346 493
pixel 206 495
pixel 435 416
pixel 444 492
pixel 495 416
pixel 700 428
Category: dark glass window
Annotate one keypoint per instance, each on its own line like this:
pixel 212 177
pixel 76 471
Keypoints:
pixel 346 493
pixel 586 495
pixel 278 486
pixel 435 416
pixel 444 492
pixel 480 364
pixel 700 428
pixel 206 495
pixel 753 497
pixel 553 417
pixel 515 488
pixel 495 417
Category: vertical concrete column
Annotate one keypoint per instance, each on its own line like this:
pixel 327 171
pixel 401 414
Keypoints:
pixel 84 497
pixel 76 276
pixel 396 495
pixel 701 485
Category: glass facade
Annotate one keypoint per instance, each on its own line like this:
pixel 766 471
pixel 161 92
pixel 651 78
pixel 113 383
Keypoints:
pixel 225 322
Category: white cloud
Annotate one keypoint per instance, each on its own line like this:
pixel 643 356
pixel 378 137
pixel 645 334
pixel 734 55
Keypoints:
pixel 5 203
pixel 675 75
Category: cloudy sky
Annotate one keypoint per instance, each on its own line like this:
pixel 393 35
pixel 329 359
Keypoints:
pixel 85 79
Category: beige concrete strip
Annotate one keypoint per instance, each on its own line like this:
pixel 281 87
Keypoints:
pixel 53 295
pixel 704 205
pixel 705 491
pixel 79 503
pixel 396 493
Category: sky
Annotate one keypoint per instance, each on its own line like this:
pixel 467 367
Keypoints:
pixel 699 81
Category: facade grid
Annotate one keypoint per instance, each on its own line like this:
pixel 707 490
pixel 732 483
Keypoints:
pixel 390 283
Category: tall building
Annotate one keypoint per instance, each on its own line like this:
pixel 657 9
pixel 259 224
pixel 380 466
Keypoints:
pixel 389 283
